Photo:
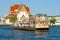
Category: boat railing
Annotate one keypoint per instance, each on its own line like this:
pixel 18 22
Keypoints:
pixel 26 24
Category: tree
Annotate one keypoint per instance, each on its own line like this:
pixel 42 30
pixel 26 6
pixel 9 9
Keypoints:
pixel 53 21
pixel 41 14
pixel 13 19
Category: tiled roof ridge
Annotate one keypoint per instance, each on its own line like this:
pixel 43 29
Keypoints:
pixel 18 7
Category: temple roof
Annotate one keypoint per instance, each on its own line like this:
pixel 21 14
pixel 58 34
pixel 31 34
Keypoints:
pixel 10 15
pixel 16 8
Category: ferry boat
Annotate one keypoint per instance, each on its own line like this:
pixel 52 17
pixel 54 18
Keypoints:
pixel 42 25
pixel 25 26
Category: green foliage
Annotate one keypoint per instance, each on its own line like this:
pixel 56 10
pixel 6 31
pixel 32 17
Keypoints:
pixel 41 14
pixel 53 21
pixel 13 19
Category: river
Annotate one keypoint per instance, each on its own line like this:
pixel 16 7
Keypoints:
pixel 8 33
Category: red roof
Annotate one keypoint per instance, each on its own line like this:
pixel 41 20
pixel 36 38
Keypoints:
pixel 10 15
pixel 16 7
pixel 27 9
pixel 13 8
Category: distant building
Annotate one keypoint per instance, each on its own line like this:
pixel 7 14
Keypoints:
pixel 22 12
pixel 57 20
pixel 2 21
pixel 41 16
pixel 49 17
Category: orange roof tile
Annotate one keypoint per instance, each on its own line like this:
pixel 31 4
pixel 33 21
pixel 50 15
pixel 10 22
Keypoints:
pixel 27 9
pixel 10 15
pixel 16 7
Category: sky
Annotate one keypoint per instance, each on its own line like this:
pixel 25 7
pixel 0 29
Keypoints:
pixel 49 7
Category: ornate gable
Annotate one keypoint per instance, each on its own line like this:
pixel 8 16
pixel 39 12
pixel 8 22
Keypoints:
pixel 23 9
pixel 23 17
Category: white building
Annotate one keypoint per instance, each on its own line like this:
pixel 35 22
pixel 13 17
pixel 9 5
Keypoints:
pixel 22 12
pixel 57 20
